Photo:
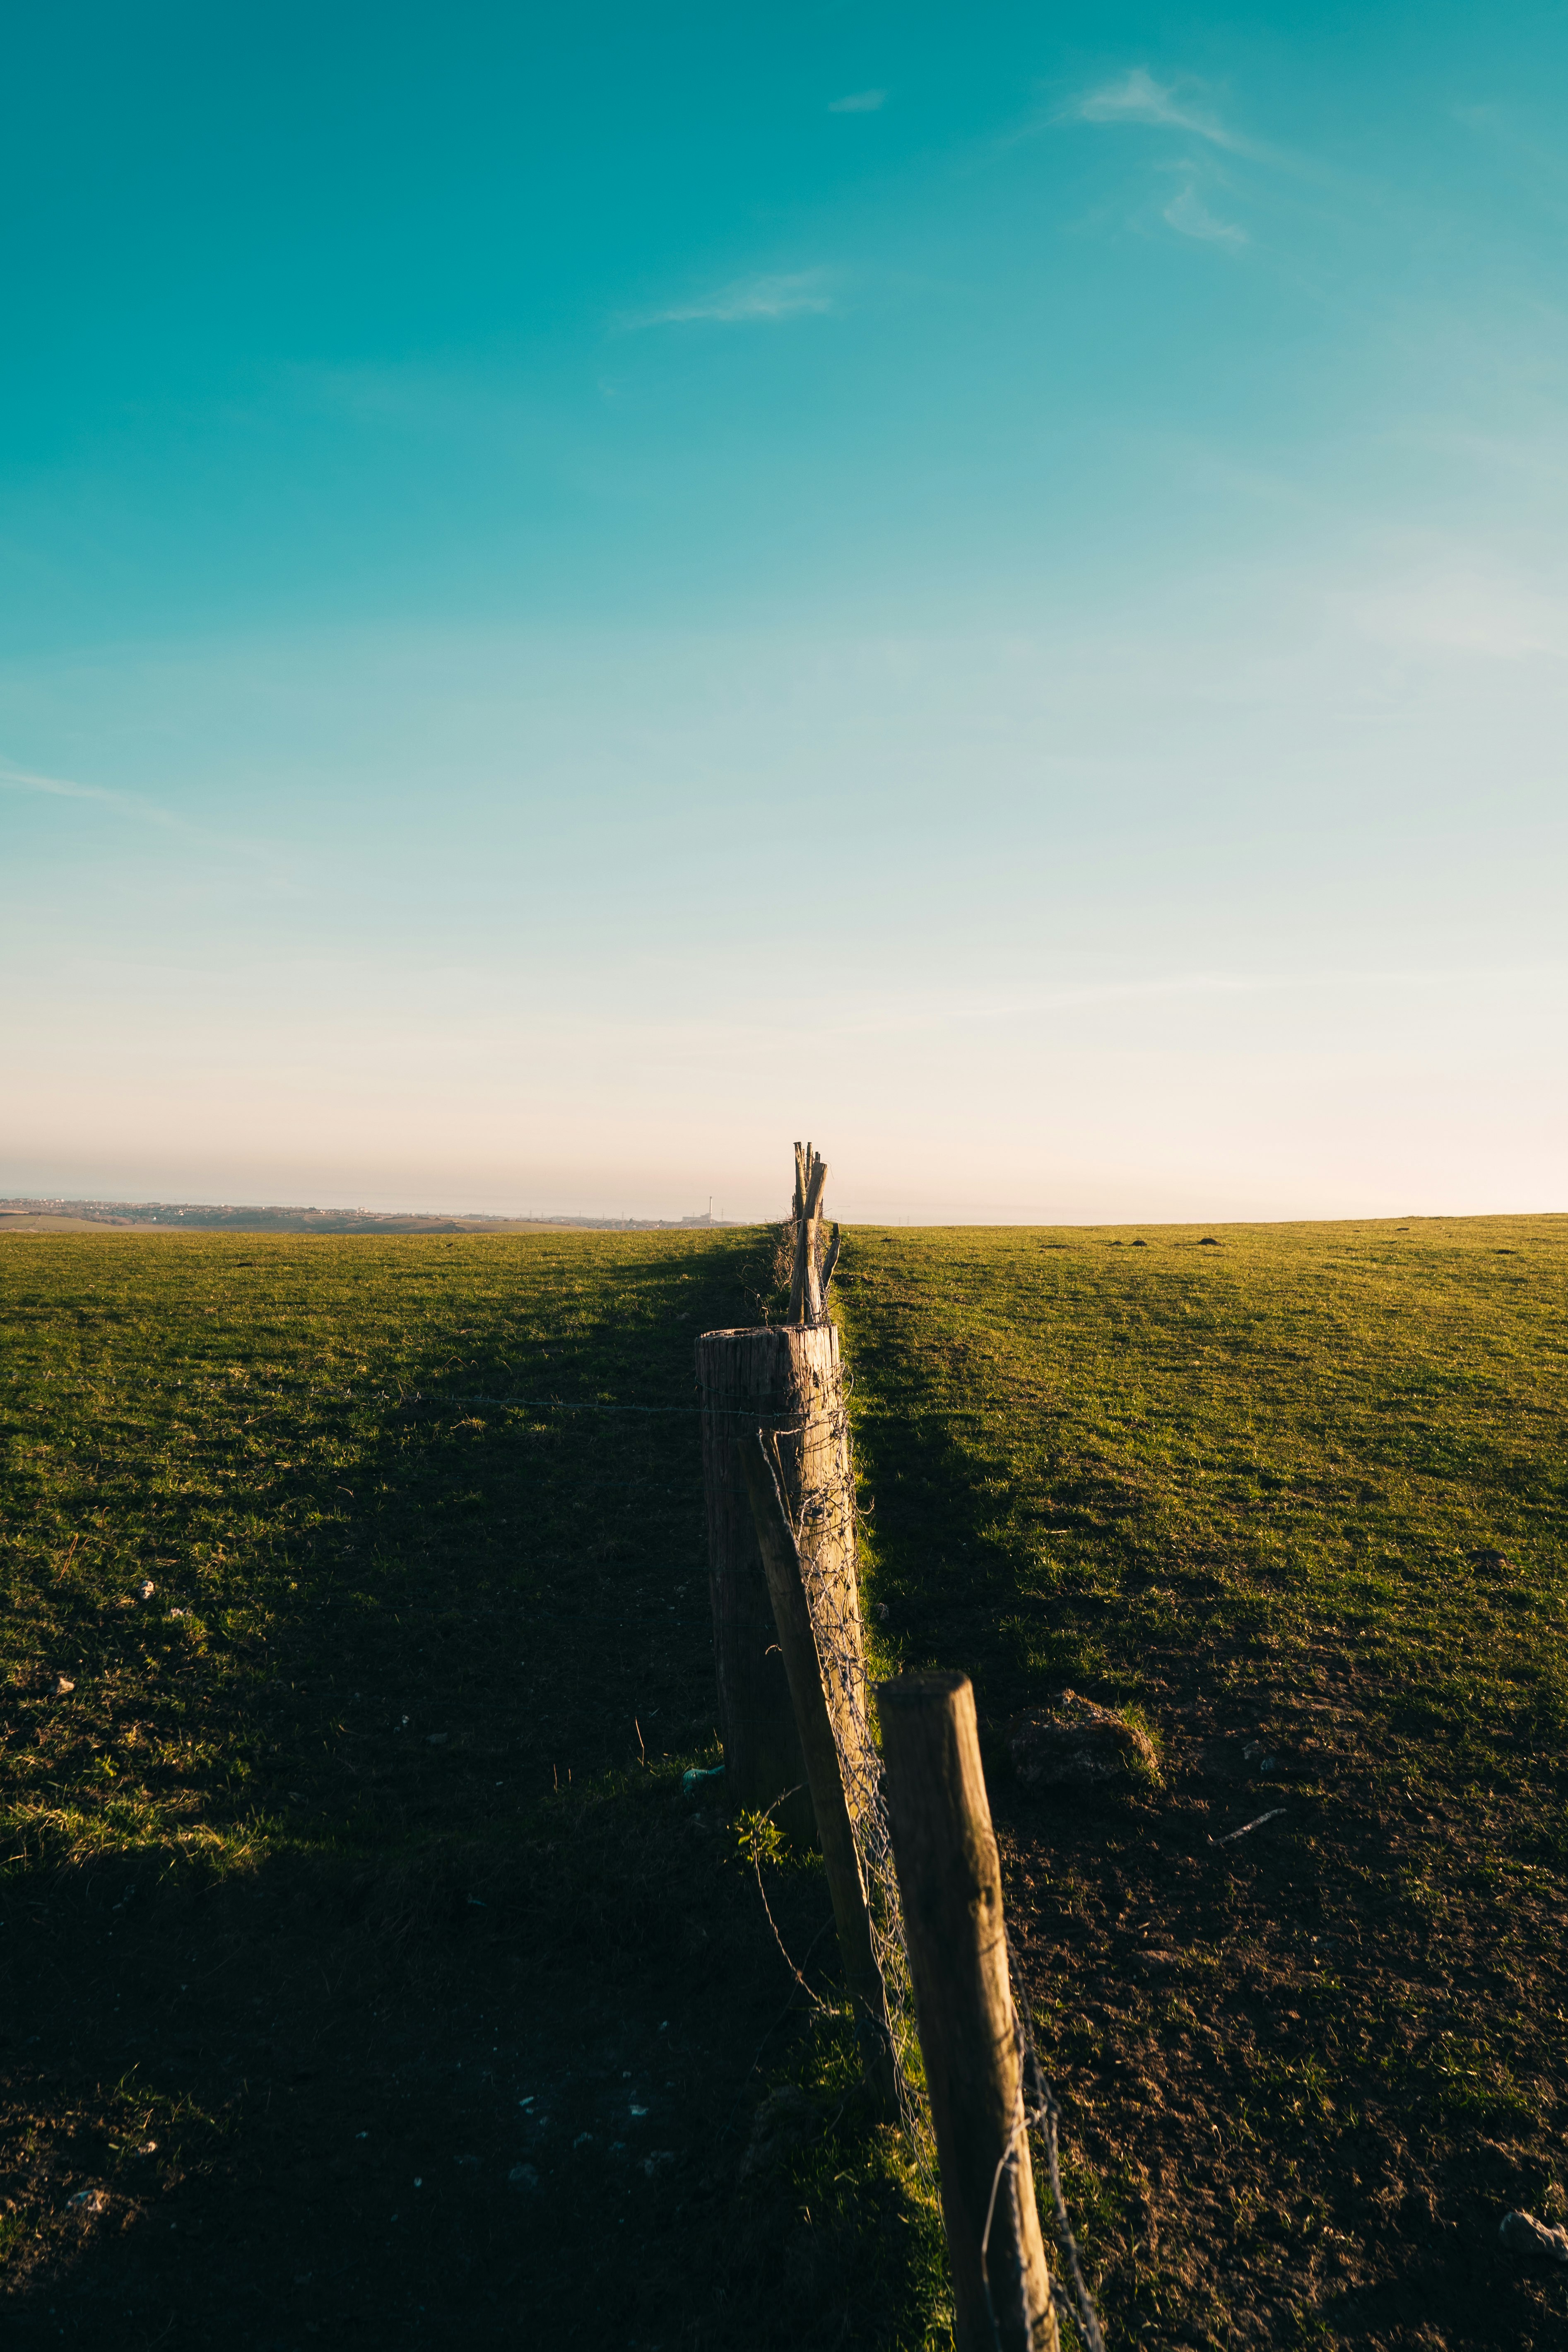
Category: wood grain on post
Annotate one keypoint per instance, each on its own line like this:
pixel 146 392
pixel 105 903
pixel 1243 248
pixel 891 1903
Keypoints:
pixel 949 1881
pixel 782 1378
pixel 812 1678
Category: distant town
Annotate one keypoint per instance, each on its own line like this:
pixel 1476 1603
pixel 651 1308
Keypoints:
pixel 226 1216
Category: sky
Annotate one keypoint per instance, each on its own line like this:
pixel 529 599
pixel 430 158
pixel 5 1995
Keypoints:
pixel 584 593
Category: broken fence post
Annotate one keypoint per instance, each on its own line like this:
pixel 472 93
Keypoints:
pixel 807 1286
pixel 949 1882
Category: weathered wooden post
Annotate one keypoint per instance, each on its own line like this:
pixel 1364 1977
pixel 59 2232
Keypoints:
pixel 949 1881
pixel 838 1777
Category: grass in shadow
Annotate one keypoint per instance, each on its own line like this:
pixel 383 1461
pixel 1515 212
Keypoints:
pixel 362 1838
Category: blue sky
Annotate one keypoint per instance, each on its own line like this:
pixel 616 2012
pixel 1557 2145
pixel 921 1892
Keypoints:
pixel 579 599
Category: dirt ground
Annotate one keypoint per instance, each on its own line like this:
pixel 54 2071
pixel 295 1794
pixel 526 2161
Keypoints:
pixel 1310 2083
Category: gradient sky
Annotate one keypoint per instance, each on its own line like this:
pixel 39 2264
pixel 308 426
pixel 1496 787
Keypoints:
pixel 586 593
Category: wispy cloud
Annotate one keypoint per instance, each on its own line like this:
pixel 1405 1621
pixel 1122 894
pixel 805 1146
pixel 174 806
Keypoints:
pixel 1139 98
pixel 1181 105
pixel 25 780
pixel 861 101
pixel 1466 609
pixel 790 296
pixel 1190 216
pixel 129 804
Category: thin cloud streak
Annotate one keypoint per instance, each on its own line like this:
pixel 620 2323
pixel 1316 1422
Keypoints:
pixel 131 804
pixel 1189 216
pixel 862 101
pixel 1139 98
pixel 797 295
pixel 25 780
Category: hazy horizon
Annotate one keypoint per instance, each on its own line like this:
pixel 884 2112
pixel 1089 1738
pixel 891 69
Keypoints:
pixel 861 1213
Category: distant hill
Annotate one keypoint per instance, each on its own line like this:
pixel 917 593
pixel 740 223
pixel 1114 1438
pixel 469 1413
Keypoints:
pixel 167 1217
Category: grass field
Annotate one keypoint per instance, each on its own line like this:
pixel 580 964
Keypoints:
pixel 357 1927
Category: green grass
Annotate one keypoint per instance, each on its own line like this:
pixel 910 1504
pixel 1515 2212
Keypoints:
pixel 1302 1493
pixel 240 1423
pixel 392 1758
pixel 1087 1456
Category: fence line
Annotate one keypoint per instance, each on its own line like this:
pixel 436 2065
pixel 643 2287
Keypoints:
pixel 844 1668
pixel 824 1525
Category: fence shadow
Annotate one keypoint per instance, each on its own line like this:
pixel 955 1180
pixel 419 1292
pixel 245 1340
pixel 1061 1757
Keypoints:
pixel 454 2028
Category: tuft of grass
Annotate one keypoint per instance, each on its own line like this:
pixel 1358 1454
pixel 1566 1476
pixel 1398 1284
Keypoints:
pixel 873 2229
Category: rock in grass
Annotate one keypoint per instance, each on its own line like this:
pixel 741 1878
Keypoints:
pixel 1521 2233
pixel 1074 1744
pixel 785 2119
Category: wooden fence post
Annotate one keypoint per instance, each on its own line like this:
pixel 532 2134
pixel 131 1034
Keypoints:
pixel 812 1678
pixel 949 1881
pixel 774 1378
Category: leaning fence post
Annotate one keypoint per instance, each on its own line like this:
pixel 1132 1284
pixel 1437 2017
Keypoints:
pixel 824 1773
pixel 949 1883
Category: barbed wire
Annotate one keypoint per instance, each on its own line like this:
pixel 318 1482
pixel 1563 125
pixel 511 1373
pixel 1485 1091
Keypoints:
pixel 1038 2109
pixel 1041 2111
pixel 760 1821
